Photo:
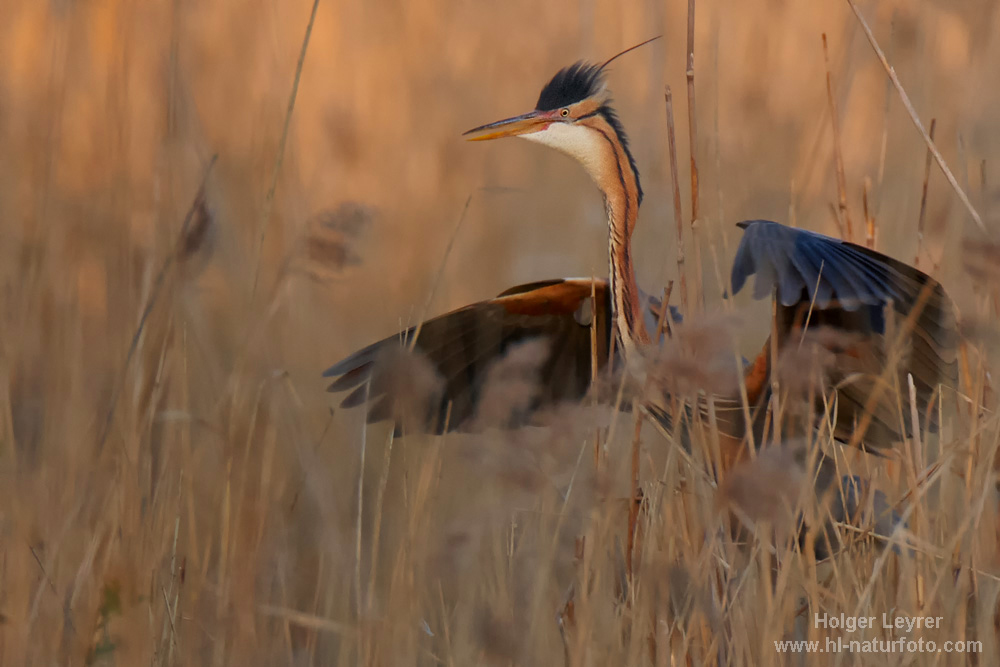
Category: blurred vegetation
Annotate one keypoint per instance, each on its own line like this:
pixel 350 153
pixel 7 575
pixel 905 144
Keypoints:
pixel 198 503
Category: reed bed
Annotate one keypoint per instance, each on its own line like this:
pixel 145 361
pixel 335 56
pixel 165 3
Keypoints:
pixel 200 210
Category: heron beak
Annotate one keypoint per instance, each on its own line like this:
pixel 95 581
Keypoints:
pixel 534 121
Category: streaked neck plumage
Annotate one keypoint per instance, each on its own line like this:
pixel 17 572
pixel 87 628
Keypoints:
pixel 598 143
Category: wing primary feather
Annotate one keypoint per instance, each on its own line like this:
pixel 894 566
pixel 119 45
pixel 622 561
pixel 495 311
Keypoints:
pixel 850 293
pixel 352 378
pixel 355 398
pixel 362 356
pixel 813 281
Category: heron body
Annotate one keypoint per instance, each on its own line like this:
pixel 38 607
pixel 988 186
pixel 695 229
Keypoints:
pixel 817 281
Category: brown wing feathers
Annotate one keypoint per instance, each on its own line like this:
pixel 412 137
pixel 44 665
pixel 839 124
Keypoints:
pixel 462 346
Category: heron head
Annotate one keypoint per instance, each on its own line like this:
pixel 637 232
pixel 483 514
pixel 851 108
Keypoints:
pixel 574 94
pixel 573 115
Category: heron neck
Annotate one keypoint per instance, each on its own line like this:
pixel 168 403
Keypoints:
pixel 621 198
pixel 598 142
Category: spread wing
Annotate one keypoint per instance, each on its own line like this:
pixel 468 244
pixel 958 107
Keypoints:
pixel 877 301
pixel 464 345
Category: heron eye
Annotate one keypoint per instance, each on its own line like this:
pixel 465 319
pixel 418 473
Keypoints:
pixel 564 113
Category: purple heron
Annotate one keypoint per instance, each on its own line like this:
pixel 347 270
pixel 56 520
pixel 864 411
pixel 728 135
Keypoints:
pixel 815 280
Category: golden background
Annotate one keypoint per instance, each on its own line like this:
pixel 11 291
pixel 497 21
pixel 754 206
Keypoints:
pixel 109 114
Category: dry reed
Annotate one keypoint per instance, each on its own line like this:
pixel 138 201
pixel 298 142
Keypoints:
pixel 230 519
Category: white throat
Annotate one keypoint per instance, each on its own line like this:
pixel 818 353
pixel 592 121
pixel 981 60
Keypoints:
pixel 578 141
pixel 597 155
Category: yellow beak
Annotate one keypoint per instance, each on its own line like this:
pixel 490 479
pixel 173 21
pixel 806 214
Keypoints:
pixel 534 121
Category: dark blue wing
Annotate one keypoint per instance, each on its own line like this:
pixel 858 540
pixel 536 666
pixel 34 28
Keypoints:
pixel 803 265
pixel 852 288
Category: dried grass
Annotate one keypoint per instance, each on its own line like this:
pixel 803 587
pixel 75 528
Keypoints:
pixel 230 519
pixel 698 358
pixel 766 488
pixel 512 385
pixel 330 245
